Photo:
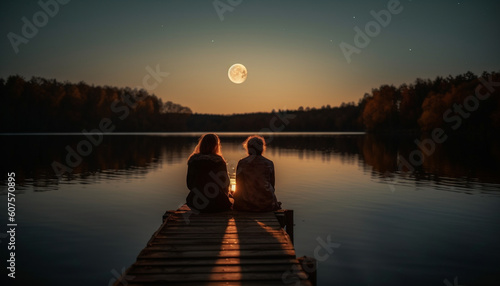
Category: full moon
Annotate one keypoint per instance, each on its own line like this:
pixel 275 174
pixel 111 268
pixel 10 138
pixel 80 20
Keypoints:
pixel 237 73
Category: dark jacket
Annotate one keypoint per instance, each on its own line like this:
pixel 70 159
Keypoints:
pixel 208 182
pixel 255 185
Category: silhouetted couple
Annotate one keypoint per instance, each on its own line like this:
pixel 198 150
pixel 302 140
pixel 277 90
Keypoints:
pixel 208 180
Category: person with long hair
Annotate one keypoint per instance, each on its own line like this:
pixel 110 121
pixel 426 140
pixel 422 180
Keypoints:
pixel 207 178
pixel 255 179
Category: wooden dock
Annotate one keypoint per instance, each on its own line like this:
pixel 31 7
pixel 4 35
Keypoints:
pixel 227 248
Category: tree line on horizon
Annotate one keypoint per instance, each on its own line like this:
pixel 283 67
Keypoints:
pixel 41 105
pixel 464 103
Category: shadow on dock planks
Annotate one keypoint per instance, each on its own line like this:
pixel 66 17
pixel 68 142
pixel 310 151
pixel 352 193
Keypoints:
pixel 226 248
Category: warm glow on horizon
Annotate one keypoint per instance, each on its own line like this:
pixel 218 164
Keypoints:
pixel 294 61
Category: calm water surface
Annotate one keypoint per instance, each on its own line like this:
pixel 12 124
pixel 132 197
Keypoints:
pixel 388 227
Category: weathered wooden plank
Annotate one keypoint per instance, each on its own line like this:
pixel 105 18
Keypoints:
pixel 217 261
pixel 222 215
pixel 198 233
pixel 223 226
pixel 222 223
pixel 212 269
pixel 222 277
pixel 216 254
pixel 215 235
pixel 235 215
pixel 214 247
pixel 221 229
pixel 187 216
pixel 208 241
pixel 221 220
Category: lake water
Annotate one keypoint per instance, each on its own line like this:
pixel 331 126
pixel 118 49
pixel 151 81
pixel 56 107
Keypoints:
pixel 428 227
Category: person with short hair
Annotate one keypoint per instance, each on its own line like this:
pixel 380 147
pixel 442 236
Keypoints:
pixel 255 179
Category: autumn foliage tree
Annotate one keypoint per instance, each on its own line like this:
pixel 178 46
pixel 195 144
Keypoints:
pixel 459 107
pixel 447 103
pixel 381 109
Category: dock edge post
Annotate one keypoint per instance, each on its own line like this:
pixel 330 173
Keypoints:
pixel 285 218
pixel 310 266
pixel 289 223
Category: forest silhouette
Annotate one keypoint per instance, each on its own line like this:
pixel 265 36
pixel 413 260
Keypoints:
pixel 47 105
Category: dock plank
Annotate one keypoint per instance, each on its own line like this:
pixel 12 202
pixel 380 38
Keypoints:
pixel 211 269
pixel 146 253
pixel 217 247
pixel 214 262
pixel 220 277
pixel 226 240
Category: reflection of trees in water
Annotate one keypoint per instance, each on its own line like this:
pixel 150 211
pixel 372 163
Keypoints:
pixel 132 156
pixel 458 159
pixel 380 153
pixel 465 158
pixel 326 148
pixel 117 157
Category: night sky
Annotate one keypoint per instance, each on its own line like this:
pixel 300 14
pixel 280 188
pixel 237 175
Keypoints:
pixel 291 49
